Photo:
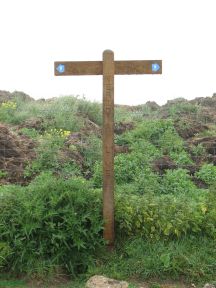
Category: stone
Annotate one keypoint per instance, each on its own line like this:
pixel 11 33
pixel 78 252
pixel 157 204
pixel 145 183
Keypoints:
pixel 103 282
pixel 207 285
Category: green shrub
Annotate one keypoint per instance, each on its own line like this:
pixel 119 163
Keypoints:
pixel 170 141
pixel 49 155
pixel 126 167
pixel 207 173
pixel 183 108
pixel 30 132
pixel 126 189
pixel 7 111
pixel 51 223
pixel 61 113
pixel 97 178
pixel 181 158
pixel 210 212
pixel 90 110
pixel 91 152
pixel 177 182
pixel 146 150
pixel 149 131
pixel 147 182
pixel 198 150
pixel 161 134
pixel 66 112
pixel 165 216
pixel 5 251
pixel 122 115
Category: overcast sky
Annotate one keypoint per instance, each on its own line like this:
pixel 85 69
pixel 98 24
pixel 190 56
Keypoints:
pixel 34 34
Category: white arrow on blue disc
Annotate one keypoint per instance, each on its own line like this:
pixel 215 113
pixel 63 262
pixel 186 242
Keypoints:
pixel 60 68
pixel 155 67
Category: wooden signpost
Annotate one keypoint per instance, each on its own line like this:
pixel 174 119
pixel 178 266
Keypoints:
pixel 108 68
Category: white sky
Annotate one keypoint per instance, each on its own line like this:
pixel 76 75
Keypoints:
pixel 34 34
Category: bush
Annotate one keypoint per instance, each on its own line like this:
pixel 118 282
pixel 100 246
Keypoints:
pixel 149 130
pixel 126 167
pixel 207 173
pixel 177 182
pixel 30 132
pixel 90 110
pixel 146 150
pixel 7 110
pixel 198 150
pixel 66 112
pixel 181 158
pixel 97 178
pixel 165 216
pixel 51 223
pixel 170 141
pixel 49 155
pixel 5 251
pixel 91 152
pixel 147 182
pixel 180 108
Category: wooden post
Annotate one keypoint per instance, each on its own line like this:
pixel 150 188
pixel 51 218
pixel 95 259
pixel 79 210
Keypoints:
pixel 108 68
pixel 108 145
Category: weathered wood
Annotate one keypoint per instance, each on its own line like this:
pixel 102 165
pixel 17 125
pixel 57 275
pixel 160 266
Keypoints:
pixel 108 68
pixel 96 67
pixel 108 145
pixel 80 68
pixel 137 67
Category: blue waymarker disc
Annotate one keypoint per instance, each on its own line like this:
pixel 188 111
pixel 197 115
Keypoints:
pixel 60 68
pixel 155 67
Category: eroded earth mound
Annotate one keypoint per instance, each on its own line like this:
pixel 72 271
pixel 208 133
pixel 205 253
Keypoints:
pixel 15 152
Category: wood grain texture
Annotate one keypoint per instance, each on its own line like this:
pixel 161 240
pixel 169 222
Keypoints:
pixel 108 146
pixel 137 67
pixel 79 68
pixel 108 68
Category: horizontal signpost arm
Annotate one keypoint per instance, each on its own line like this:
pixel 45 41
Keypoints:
pixel 78 68
pixel 65 68
pixel 138 67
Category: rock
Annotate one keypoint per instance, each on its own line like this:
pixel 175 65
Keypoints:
pixel 207 285
pixel 103 282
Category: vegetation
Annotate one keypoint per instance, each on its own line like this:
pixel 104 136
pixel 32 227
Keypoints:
pixel 191 257
pixel 51 223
